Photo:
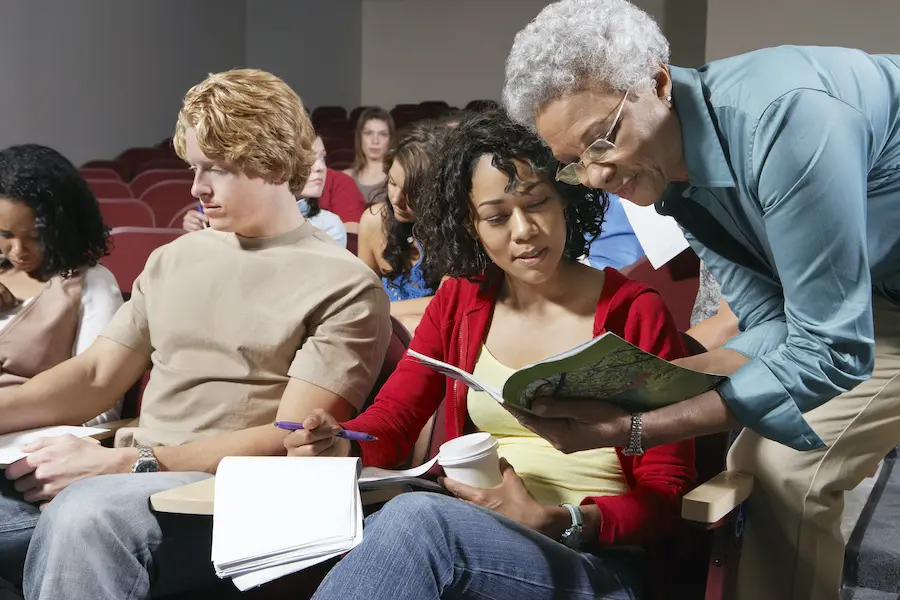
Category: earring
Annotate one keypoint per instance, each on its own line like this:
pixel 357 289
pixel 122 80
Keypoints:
pixel 669 100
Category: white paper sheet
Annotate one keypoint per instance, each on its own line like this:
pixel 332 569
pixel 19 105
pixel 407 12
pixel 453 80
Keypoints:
pixel 277 515
pixel 11 443
pixel 660 237
pixel 372 474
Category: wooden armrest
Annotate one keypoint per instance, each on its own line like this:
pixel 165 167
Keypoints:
pixel 112 427
pixel 199 498
pixel 192 499
pixel 711 501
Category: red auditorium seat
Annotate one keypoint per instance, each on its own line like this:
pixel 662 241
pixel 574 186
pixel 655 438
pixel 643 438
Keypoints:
pixel 133 158
pixel 126 212
pixel 354 114
pixel 109 188
pixel 116 166
pixel 131 248
pixel 144 180
pixel 337 142
pixel 177 219
pixel 677 282
pixel 340 159
pixel 329 111
pixel 166 198
pixel 99 173
pixel 171 163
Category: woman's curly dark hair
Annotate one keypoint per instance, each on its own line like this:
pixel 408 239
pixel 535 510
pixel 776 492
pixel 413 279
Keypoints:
pixel 66 213
pixel 445 225
pixel 414 152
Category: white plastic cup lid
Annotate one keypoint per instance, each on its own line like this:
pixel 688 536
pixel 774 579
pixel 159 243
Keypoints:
pixel 467 447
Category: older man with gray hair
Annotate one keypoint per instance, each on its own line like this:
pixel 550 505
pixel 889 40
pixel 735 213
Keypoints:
pixel 783 167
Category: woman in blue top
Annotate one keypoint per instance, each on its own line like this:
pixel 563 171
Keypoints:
pixel 386 241
pixel 783 165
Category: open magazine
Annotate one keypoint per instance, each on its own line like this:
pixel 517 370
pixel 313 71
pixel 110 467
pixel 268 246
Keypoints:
pixel 607 368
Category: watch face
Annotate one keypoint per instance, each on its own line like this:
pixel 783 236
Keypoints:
pixel 572 539
pixel 146 466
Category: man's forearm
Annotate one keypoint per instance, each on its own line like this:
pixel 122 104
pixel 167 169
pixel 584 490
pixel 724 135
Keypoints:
pixel 64 395
pixel 700 415
pixel 204 455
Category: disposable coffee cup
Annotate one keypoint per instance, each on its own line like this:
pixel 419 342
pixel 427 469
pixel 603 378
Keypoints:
pixel 472 459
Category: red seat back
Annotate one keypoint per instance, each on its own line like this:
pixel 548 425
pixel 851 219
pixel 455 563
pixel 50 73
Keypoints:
pixel 126 212
pixel 167 198
pixel 353 243
pixel 178 218
pixel 109 188
pixel 341 159
pixel 115 165
pixel 677 282
pixel 400 339
pixel 172 162
pixel 147 179
pixel 133 158
pixel 131 248
pixel 99 173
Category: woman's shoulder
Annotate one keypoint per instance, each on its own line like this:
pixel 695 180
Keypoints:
pixel 372 216
pixel 100 278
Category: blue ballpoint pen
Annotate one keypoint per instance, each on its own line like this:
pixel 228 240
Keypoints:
pixel 356 436
pixel 200 210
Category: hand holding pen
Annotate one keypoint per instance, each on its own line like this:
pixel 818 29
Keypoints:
pixel 320 435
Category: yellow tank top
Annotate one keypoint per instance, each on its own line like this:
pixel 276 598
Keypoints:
pixel 551 476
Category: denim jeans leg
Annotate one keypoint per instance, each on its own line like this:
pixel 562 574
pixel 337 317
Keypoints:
pixel 427 546
pixel 100 539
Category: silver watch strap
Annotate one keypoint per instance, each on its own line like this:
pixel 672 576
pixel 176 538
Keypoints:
pixel 577 520
pixel 635 436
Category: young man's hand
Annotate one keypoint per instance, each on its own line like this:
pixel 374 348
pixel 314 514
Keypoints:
pixel 53 463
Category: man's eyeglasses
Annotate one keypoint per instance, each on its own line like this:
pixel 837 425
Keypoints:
pixel 573 173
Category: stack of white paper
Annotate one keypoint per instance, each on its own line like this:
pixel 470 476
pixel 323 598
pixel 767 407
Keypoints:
pixel 11 443
pixel 277 515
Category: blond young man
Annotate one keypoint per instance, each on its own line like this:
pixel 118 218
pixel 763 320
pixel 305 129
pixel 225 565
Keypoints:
pixel 257 318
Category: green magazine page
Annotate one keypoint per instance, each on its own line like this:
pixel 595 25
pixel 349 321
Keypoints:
pixel 610 369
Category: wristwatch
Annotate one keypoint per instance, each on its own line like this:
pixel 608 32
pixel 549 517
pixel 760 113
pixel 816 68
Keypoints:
pixel 572 537
pixel 635 445
pixel 146 461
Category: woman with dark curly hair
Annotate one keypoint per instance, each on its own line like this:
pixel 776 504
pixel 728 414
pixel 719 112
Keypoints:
pixel 55 297
pixel 559 524
pixel 386 240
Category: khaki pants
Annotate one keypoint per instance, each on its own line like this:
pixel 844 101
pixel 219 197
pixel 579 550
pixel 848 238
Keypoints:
pixel 793 548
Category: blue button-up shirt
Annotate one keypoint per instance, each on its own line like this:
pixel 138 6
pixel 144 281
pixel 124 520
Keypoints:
pixel 795 151
pixel 617 246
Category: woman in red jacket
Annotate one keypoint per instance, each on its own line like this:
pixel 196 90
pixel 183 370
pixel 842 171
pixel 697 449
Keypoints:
pixel 496 221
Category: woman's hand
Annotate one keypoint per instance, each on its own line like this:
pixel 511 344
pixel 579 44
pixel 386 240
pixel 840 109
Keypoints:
pixel 194 220
pixel 7 300
pixel 511 498
pixel 318 437
pixel 572 425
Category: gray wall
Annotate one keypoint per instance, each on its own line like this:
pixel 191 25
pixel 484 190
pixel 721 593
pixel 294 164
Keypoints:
pixel 314 45
pixel 736 26
pixel 93 77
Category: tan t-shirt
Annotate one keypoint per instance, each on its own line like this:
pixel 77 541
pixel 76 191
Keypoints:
pixel 227 320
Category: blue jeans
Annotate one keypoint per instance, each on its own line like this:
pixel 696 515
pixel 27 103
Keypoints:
pixel 99 539
pixel 422 546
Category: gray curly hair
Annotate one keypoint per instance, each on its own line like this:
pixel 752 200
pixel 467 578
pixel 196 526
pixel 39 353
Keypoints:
pixel 572 44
